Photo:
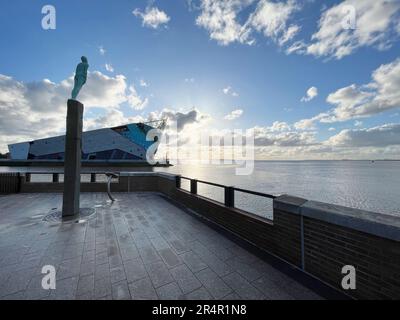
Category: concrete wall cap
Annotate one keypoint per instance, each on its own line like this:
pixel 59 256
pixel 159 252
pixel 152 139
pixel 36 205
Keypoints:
pixel 288 203
pixel 382 225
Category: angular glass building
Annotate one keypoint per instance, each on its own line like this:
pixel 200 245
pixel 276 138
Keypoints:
pixel 127 142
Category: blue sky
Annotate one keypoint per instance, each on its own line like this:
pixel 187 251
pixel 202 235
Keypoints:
pixel 188 52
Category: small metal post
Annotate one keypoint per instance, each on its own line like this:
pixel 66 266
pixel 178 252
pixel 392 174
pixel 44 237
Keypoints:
pixel 55 177
pixel 178 182
pixel 193 186
pixel 27 177
pixel 92 177
pixel 229 197
pixel 303 261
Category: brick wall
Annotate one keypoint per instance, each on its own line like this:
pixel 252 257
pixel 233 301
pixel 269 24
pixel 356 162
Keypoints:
pixel 329 247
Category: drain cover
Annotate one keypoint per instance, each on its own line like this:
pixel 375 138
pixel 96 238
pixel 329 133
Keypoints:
pixel 84 214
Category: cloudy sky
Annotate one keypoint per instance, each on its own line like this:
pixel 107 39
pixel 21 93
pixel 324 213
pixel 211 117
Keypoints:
pixel 312 82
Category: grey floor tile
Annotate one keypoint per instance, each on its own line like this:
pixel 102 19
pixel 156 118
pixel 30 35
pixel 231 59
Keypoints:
pixel 143 290
pixel 213 283
pixel 170 291
pixel 134 270
pixel 193 261
pixel 199 294
pixel 102 287
pixel 120 291
pixel 242 287
pixel 185 278
pixel 117 274
pixel 170 258
pixel 159 274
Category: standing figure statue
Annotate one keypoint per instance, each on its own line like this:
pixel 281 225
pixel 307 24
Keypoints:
pixel 80 77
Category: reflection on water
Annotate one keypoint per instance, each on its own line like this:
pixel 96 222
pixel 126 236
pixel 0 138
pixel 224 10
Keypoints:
pixel 373 186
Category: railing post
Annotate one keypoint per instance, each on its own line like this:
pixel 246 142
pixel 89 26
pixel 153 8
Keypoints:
pixel 193 186
pixel 55 177
pixel 178 182
pixel 229 197
pixel 92 177
pixel 27 177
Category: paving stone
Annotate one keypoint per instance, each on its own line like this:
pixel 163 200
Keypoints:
pixel 169 257
pixel 65 289
pixel 149 254
pixel 199 294
pixel 185 278
pixel 193 261
pixel 170 291
pixel 232 296
pixel 102 287
pixel 213 283
pixel 179 246
pixel 85 285
pixel 134 270
pixel 102 271
pixel 87 268
pixel 117 274
pixel 271 289
pixel 69 268
pixel 101 257
pixel 246 270
pixel 129 253
pixel 115 261
pixel 120 291
pixel 143 290
pixel 17 281
pixel 35 291
pixel 159 274
pixel 242 287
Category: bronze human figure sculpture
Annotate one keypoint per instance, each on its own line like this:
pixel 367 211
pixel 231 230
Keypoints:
pixel 80 77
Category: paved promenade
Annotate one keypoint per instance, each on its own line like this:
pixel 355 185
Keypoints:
pixel 140 247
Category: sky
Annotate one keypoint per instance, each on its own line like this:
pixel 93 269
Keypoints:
pixel 312 79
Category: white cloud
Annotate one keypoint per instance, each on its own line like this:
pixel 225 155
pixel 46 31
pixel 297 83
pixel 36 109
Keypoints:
pixel 311 94
pixel 271 18
pixel 332 129
pixel 143 83
pixel 358 123
pixel 152 17
pixel 109 67
pixel 376 23
pixel 229 91
pixel 352 102
pixel 189 80
pixel 181 118
pixel 234 114
pixel 135 101
pixel 380 136
pixel 221 19
pixel 102 51
pixel 111 118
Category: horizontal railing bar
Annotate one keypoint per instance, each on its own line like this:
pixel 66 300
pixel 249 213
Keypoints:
pixel 255 193
pixel 212 183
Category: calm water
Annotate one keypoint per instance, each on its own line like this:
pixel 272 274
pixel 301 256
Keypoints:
pixel 373 186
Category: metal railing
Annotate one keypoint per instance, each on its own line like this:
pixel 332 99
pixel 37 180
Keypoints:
pixel 229 191
pixel 55 176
